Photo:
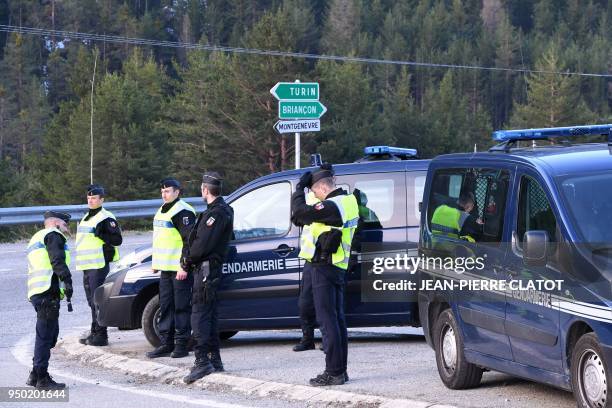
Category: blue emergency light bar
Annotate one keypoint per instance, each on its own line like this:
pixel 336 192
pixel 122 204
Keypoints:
pixel 546 133
pixel 394 151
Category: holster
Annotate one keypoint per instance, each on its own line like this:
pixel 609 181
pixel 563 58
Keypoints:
pixel 48 309
pixel 207 278
pixel 327 244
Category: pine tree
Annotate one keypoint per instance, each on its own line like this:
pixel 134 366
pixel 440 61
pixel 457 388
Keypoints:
pixel 552 99
pixel 342 27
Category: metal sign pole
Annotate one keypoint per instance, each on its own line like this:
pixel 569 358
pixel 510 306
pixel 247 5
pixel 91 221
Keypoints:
pixel 297 145
pixel 297 150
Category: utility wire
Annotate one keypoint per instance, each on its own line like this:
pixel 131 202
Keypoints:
pixel 255 51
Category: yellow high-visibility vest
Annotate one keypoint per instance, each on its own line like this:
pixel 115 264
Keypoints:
pixel 167 241
pixel 89 248
pixel 349 210
pixel 40 271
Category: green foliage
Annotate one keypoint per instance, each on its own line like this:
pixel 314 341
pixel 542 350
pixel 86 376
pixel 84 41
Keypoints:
pixel 162 111
pixel 552 100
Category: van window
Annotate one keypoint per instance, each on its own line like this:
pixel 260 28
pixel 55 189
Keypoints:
pixel 535 212
pixel 415 183
pixel 382 198
pixel 263 212
pixel 487 188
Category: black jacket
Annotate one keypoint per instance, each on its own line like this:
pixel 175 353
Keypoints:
pixel 209 239
pixel 55 244
pixel 107 230
pixel 183 221
pixel 326 212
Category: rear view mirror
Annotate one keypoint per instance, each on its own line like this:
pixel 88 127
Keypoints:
pixel 535 248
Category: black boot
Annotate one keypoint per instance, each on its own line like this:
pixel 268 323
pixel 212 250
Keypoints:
pixel 98 339
pixel 180 350
pixel 307 341
pixel 32 379
pixel 88 335
pixel 326 379
pixel 45 382
pixel 161 351
pixel 215 360
pixel 201 368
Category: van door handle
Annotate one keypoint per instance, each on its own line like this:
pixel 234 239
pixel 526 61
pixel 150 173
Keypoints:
pixel 283 250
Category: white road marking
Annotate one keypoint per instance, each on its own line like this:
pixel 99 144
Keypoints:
pixel 22 351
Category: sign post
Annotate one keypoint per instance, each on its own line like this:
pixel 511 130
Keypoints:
pixel 299 110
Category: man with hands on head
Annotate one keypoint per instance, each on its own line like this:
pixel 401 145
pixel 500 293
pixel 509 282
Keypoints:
pixel 327 250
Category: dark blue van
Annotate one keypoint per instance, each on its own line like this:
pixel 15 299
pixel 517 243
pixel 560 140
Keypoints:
pixel 540 307
pixel 262 275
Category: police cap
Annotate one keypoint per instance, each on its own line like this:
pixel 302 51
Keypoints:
pixel 95 189
pixel 325 171
pixel 170 182
pixel 212 177
pixel 56 214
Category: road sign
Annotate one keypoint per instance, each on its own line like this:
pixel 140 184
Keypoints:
pixel 300 109
pixel 298 126
pixel 296 91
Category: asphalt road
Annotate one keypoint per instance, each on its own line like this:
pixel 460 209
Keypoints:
pixel 392 362
pixel 88 387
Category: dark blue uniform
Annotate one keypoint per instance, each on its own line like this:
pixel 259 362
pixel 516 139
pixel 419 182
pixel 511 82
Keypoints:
pixel 108 231
pixel 175 295
pixel 327 282
pixel 47 306
pixel 208 246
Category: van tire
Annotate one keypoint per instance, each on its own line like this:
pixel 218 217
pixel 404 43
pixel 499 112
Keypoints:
pixel 587 361
pixel 455 372
pixel 149 316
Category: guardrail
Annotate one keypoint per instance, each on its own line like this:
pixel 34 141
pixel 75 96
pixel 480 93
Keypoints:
pixel 121 209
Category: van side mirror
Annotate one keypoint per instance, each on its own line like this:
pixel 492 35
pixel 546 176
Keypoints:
pixel 420 206
pixel 535 248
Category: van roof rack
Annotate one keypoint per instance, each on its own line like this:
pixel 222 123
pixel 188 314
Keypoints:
pixel 378 153
pixel 509 138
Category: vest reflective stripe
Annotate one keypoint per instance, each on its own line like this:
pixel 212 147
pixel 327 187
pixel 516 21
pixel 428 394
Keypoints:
pixel 349 210
pixel 307 240
pixel 448 221
pixel 40 271
pixel 89 248
pixel 445 221
pixel 347 204
pixel 167 241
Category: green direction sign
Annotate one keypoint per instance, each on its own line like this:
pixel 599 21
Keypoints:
pixel 301 109
pixel 296 91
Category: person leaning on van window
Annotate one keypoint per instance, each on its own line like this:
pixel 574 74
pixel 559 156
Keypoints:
pixel 327 251
pixel 171 227
pixel 457 222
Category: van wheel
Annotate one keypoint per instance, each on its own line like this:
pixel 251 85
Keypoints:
pixel 227 335
pixel 590 375
pixel 455 372
pixel 150 320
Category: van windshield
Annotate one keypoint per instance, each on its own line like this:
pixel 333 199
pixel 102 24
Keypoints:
pixel 589 199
